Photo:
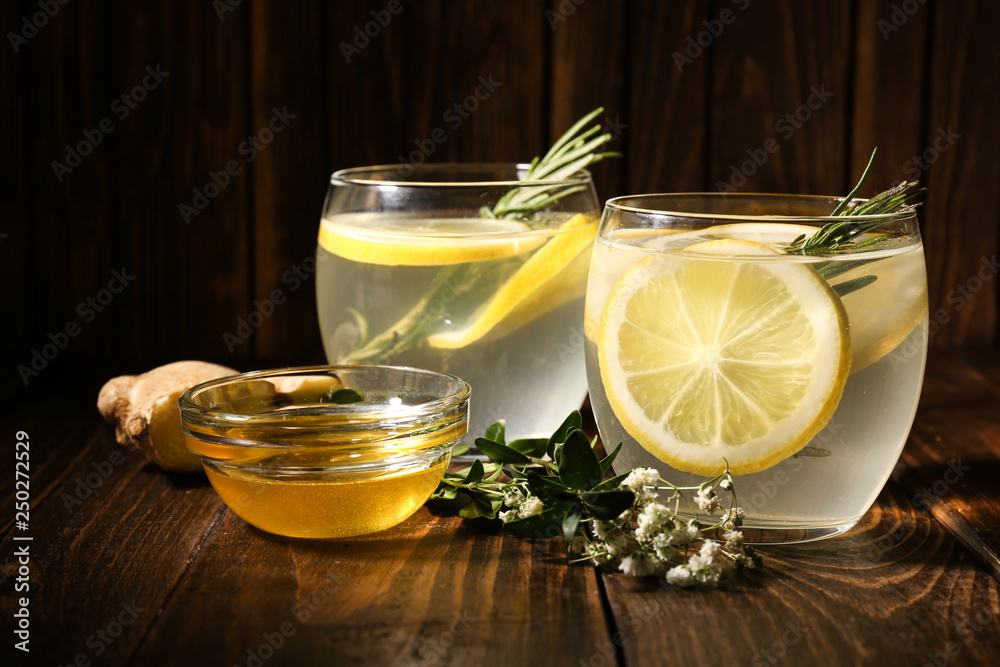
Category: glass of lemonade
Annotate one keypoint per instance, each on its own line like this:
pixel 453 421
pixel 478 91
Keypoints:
pixel 414 268
pixel 708 343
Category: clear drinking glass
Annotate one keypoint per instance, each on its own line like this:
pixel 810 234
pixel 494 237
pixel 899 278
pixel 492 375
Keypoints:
pixel 414 269
pixel 708 343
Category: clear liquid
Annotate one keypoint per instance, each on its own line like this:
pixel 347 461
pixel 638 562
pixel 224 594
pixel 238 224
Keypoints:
pixel 809 497
pixel 529 368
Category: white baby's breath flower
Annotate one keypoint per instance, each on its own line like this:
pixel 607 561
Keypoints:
pixel 709 549
pixel 734 539
pixel 508 516
pixel 615 546
pixel 645 532
pixel 726 484
pixel 532 505
pixel 513 498
pixel 640 564
pixel 732 518
pixel 662 545
pixel 603 529
pixel 654 515
pixel 641 477
pixel 706 499
pixel 579 545
pixel 680 576
pixel 598 552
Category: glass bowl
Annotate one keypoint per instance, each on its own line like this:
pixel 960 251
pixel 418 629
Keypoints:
pixel 326 451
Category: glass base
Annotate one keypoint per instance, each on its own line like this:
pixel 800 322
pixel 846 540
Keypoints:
pixel 780 532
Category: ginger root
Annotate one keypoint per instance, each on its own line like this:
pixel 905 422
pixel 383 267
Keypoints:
pixel 144 410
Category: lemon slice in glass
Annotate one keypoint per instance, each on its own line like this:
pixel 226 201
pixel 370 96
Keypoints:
pixel 740 358
pixel 551 277
pixel 400 241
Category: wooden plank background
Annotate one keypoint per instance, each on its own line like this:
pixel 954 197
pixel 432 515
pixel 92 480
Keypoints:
pixel 688 105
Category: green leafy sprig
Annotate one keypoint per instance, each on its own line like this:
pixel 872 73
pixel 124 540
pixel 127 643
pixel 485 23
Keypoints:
pixel 576 149
pixel 544 488
pixel 839 235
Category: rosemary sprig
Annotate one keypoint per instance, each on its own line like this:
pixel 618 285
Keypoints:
pixel 555 487
pixel 573 151
pixel 836 235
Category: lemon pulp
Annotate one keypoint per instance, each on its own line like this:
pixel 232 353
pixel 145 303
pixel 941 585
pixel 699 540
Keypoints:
pixel 724 357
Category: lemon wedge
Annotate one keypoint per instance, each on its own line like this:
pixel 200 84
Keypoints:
pixel 707 360
pixel 552 276
pixel 398 241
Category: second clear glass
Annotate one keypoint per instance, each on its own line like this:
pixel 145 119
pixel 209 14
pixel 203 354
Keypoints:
pixel 413 268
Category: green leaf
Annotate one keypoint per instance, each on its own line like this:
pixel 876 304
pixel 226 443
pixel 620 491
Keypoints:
pixel 853 285
pixel 579 467
pixel 495 474
pixel 343 396
pixel 458 450
pixel 611 484
pixel 476 472
pixel 610 458
pixel 478 509
pixel 495 431
pixel 530 446
pixel 573 421
pixel 570 522
pixel 607 505
pixel 542 526
pixel 500 453
pixel 445 492
pixel 548 489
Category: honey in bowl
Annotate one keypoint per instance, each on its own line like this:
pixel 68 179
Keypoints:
pixel 290 462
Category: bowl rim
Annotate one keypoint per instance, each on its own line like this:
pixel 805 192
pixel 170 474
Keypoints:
pixel 189 408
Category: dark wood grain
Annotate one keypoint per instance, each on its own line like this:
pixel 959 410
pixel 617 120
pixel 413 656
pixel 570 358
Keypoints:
pixel 589 39
pixel 894 591
pixel 780 99
pixel 689 125
pixel 961 228
pixel 668 99
pixel 108 561
pixel 287 202
pixel 901 588
pixel 951 464
pixel 890 85
pixel 431 591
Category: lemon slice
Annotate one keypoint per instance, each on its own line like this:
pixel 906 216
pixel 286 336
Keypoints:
pixel 706 360
pixel 396 241
pixel 551 277
pixel 881 316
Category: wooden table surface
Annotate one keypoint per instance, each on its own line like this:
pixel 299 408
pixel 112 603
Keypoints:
pixel 131 565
